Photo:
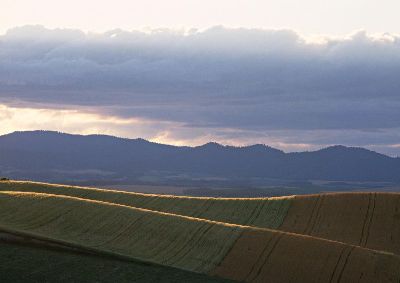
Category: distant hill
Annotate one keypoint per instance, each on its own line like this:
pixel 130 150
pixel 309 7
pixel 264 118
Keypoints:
pixel 53 156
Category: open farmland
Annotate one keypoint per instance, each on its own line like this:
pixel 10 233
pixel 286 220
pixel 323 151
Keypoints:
pixel 369 220
pixel 225 250
pixel 365 219
pixel 257 212
pixel 175 240
pixel 33 263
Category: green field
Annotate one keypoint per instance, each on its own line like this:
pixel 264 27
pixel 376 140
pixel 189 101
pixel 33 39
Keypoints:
pixel 145 235
pixel 33 263
pixel 260 212
pixel 138 237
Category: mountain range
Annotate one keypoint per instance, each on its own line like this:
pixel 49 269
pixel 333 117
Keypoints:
pixel 54 156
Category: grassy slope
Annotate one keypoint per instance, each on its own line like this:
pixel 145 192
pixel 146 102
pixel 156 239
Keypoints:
pixel 367 219
pixel 33 263
pixel 229 251
pixel 261 212
pixel 144 235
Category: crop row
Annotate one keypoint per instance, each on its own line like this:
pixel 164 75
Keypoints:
pixel 366 219
pixel 260 212
pixel 149 236
pixel 225 250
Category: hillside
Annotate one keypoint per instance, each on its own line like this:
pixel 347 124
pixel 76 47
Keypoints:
pixel 61 265
pixel 317 238
pixel 365 219
pixel 51 156
pixel 265 213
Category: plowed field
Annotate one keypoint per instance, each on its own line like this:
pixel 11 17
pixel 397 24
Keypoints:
pixel 230 251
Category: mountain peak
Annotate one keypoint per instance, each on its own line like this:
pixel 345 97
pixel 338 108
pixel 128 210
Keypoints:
pixel 211 145
pixel 340 148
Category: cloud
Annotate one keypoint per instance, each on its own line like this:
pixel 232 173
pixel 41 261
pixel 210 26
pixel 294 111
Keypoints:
pixel 220 83
pixel 81 121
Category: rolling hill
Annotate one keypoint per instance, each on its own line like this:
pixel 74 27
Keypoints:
pixel 317 238
pixel 57 157
pixel 25 262
pixel 365 219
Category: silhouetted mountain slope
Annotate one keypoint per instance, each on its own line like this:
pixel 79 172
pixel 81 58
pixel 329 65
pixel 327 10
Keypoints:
pixel 43 155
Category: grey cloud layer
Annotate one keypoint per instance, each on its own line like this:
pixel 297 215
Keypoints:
pixel 258 80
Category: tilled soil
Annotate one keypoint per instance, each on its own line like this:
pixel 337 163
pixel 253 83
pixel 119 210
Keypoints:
pixel 369 220
pixel 263 256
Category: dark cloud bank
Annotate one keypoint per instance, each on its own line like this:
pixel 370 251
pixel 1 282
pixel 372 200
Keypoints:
pixel 233 82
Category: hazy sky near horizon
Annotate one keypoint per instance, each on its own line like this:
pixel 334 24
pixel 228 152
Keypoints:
pixel 297 75
pixel 339 17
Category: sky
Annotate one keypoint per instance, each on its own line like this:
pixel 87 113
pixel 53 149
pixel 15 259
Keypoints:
pixel 296 75
pixel 339 17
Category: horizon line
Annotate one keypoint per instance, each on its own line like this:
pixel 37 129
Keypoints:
pixel 310 38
